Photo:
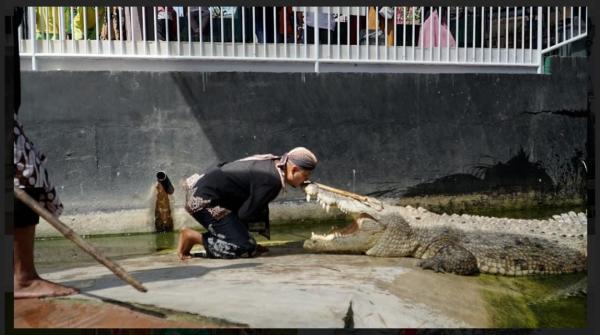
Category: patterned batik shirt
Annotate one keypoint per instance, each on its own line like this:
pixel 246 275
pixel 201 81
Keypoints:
pixel 30 170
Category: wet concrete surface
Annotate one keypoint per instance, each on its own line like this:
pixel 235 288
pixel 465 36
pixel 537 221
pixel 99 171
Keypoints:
pixel 286 288
pixel 75 313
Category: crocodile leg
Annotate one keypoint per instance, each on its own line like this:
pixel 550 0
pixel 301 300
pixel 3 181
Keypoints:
pixel 451 258
pixel 397 241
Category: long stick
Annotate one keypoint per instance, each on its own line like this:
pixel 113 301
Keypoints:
pixel 366 200
pixel 71 235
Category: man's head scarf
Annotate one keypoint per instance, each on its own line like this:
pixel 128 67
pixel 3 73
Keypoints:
pixel 301 157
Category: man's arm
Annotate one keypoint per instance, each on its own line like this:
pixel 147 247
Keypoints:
pixel 253 209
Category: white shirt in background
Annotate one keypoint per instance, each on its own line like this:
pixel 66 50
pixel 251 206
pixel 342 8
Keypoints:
pixel 324 21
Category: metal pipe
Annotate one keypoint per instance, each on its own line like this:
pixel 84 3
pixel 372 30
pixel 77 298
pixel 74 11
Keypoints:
pixel 357 34
pixel 222 31
pixel 457 34
pixel 32 36
pixel 144 30
pixel 474 35
pixel 274 30
pixel 155 20
pixel 233 32
pixel 482 34
pixel 244 31
pixel 329 32
pixel 163 220
pixel 200 30
pixel 404 9
pixel 189 32
pixel 295 12
pixel 539 37
pixel 72 29
pixel 279 60
pixel 97 28
pixel 163 179
pixel 120 9
pixel 84 13
pixel 211 33
pixel 317 43
pixel 178 27
pixel 515 35
pixel 339 48
pixel 264 30
pixel 395 37
pixel 61 28
pixel 563 43
pixel 506 35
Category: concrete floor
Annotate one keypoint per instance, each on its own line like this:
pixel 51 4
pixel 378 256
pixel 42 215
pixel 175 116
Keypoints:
pixel 288 288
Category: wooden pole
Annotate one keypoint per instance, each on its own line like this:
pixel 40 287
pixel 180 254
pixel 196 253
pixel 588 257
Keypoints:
pixel 366 200
pixel 71 235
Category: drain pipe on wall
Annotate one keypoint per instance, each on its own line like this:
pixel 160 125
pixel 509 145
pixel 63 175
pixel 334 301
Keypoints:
pixel 163 220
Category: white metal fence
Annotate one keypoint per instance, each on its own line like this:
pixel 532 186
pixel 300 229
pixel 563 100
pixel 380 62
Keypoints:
pixel 450 39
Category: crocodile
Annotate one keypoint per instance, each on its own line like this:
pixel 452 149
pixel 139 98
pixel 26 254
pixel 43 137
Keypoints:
pixel 460 244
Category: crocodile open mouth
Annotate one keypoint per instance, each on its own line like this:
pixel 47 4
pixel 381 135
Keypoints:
pixel 356 237
pixel 363 223
pixel 328 200
pixel 336 233
pixel 346 231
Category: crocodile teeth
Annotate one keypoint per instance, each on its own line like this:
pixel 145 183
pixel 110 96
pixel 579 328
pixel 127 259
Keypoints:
pixel 327 208
pixel 320 237
pixel 308 198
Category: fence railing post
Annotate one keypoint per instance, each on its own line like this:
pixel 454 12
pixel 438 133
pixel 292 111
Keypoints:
pixel 32 36
pixel 540 16
pixel 316 38
pixel 68 46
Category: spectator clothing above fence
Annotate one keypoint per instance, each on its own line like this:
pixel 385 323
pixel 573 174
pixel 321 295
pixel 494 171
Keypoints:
pixel 435 33
pixel 511 28
pixel 326 21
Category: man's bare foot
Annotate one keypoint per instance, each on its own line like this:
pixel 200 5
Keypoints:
pixel 187 239
pixel 41 288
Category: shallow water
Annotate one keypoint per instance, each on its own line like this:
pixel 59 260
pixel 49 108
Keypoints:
pixel 60 253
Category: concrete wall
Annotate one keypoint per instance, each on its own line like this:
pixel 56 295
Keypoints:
pixel 107 133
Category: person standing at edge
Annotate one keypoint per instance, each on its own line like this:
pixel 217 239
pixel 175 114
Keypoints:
pixel 30 174
pixel 232 199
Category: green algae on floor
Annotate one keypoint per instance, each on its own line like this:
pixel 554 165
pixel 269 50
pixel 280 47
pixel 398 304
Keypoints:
pixel 536 301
